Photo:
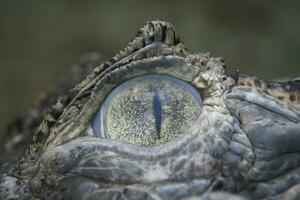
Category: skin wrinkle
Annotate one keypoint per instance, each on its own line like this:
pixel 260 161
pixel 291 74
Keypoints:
pixel 271 105
pixel 241 124
pixel 143 152
pixel 276 186
pixel 71 164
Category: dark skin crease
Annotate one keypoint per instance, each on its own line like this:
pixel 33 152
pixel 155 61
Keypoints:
pixel 242 145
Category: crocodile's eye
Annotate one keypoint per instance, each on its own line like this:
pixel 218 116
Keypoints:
pixel 148 110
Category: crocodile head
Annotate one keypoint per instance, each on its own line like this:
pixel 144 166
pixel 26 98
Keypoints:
pixel 157 122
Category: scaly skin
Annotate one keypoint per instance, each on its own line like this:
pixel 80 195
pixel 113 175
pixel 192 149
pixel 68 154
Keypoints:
pixel 244 143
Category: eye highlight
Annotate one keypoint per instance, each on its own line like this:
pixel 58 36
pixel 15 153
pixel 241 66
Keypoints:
pixel 148 110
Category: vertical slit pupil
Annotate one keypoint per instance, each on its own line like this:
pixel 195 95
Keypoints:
pixel 147 110
pixel 157 110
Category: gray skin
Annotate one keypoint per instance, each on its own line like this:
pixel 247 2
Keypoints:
pixel 244 144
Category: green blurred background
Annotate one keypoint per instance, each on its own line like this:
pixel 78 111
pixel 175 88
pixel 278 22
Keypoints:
pixel 39 40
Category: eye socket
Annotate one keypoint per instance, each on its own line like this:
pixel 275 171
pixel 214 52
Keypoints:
pixel 148 110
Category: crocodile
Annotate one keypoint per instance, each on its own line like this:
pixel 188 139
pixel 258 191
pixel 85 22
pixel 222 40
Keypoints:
pixel 159 122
